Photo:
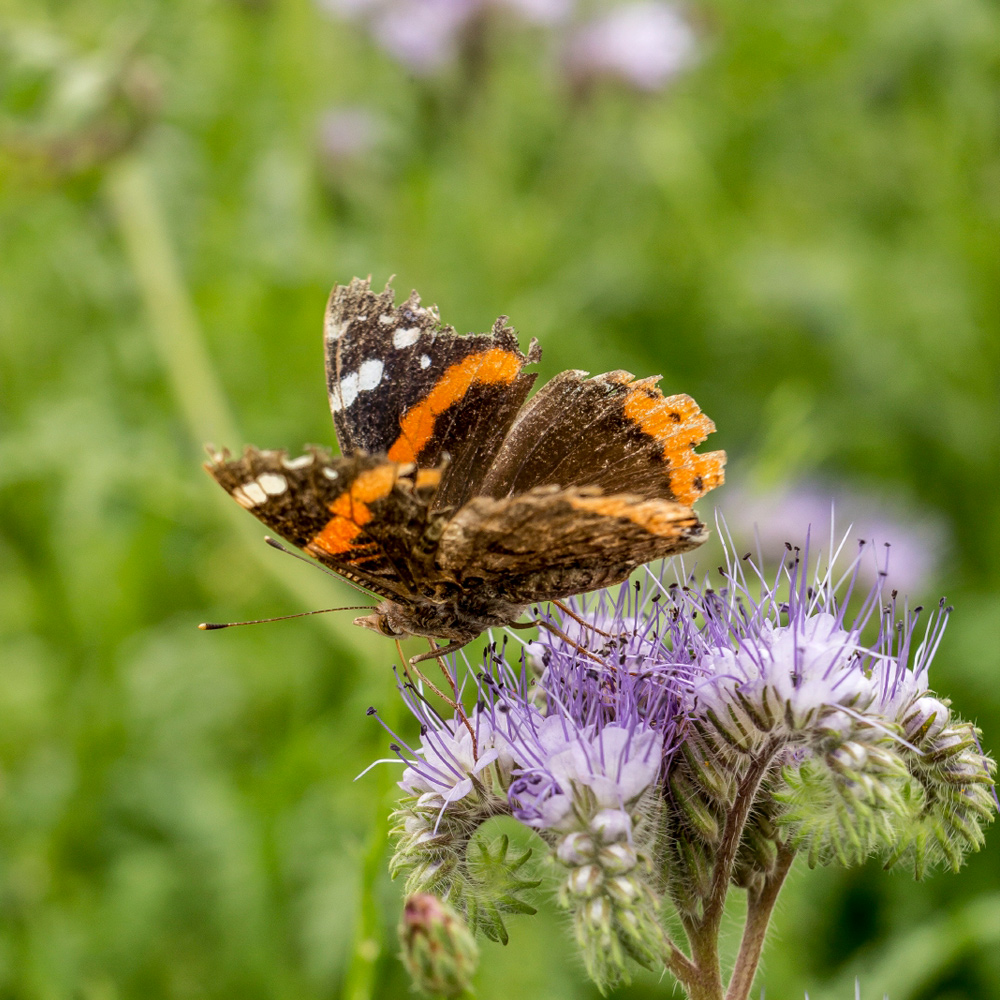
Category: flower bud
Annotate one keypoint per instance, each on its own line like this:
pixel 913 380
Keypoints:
pixel 926 719
pixel 623 890
pixel 850 756
pixel 575 849
pixel 585 881
pixel 611 825
pixel 438 949
pixel 617 859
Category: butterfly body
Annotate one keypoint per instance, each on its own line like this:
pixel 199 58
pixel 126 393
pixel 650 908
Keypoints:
pixel 457 499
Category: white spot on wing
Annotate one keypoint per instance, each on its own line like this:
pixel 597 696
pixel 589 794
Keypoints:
pixel 425 361
pixel 254 492
pixel 330 473
pixel 347 394
pixel 334 329
pixel 370 374
pixel 241 498
pixel 406 338
pixel 297 463
pixel 272 483
pixel 366 377
pixel 387 319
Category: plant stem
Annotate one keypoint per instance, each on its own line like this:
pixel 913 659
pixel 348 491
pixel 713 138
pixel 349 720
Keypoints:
pixel 759 908
pixel 177 337
pixel 704 933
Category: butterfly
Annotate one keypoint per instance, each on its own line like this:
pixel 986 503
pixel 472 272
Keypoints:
pixel 459 500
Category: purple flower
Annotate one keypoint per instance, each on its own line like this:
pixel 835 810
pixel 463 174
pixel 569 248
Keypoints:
pixel 614 764
pixel 422 34
pixel 918 540
pixel 783 656
pixel 447 762
pixel 668 739
pixel 644 44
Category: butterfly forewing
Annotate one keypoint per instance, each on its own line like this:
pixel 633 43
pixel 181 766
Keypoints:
pixel 402 384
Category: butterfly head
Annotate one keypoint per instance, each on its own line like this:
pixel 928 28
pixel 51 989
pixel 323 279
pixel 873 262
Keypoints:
pixel 385 620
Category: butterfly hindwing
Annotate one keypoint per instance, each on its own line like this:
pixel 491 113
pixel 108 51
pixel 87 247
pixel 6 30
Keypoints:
pixel 403 384
pixel 609 431
pixel 550 543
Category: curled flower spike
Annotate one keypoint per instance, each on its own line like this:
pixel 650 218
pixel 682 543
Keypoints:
pixel 842 703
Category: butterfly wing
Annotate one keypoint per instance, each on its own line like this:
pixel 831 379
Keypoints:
pixel 550 543
pixel 609 431
pixel 358 515
pixel 404 385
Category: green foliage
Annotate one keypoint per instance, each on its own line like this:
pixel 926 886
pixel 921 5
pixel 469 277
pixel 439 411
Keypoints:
pixel 802 234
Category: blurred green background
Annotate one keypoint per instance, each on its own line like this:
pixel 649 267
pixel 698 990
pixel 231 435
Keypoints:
pixel 801 229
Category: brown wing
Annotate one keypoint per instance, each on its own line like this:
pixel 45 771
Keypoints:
pixel 361 516
pixel 551 543
pixel 402 384
pixel 612 432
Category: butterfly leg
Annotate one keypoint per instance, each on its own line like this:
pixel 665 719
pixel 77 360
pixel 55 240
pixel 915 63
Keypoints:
pixel 556 631
pixel 437 652
pixel 567 610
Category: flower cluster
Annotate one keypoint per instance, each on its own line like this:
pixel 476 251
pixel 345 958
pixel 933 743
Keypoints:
pixel 672 740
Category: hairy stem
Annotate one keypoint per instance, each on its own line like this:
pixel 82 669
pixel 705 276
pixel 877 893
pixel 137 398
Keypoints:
pixel 760 905
pixel 679 965
pixel 704 933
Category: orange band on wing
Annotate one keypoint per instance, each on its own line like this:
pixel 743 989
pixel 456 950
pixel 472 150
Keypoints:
pixel 677 423
pixel 417 425
pixel 658 517
pixel 351 512
pixel 700 474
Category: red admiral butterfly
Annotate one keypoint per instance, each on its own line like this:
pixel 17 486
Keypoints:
pixel 458 500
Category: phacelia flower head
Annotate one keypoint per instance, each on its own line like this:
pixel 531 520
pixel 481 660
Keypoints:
pixel 786 656
pixel 658 734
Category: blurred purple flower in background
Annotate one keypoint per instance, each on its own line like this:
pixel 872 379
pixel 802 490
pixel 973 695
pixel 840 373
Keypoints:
pixel 643 44
pixel 918 540
pixel 348 133
pixel 424 35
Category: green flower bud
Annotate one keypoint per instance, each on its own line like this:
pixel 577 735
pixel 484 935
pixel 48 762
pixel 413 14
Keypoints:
pixel 438 949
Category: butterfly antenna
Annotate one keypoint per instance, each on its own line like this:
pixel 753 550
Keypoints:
pixel 275 544
pixel 210 626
